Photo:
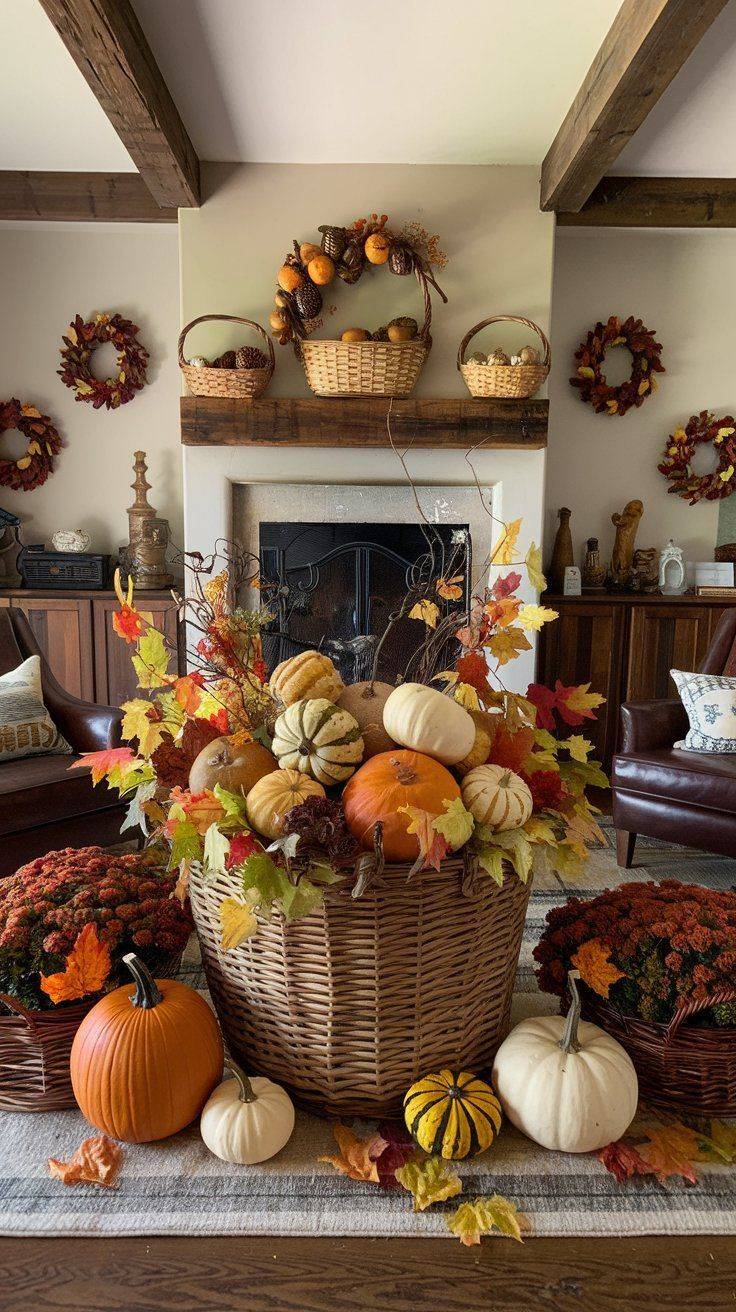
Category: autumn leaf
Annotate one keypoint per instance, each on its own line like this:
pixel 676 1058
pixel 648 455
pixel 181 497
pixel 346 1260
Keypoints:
pixel 128 623
pixel 354 1158
pixel 471 1220
pixel 138 723
pixel 671 1150
pixel 180 891
pixel 450 589
pixel 577 703
pixel 533 617
pixel 216 850
pixel 151 660
pixel 201 809
pixel 517 849
pixel 505 586
pixel 507 643
pixel 391 1148
pixel 87 967
pixel 237 923
pixel 428 1182
pixel 472 668
pixel 242 846
pixel 539 830
pixel 592 959
pixel 466 696
pixel 455 824
pixel 432 846
pixel 96 1161
pixel 427 611
pixel 188 692
pixel 503 552
pixel 578 747
pixel 622 1160
pixel 511 750
pixel 533 562
pixel 719 1145
pixel 501 614
pixel 102 762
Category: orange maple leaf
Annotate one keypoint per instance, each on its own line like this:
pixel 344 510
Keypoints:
pixel 128 622
pixel 671 1151
pixel 596 969
pixel 450 589
pixel 102 762
pixel 96 1161
pixel 432 845
pixel 202 809
pixel 502 613
pixel 87 967
pixel 354 1158
pixel 188 693
pixel 511 749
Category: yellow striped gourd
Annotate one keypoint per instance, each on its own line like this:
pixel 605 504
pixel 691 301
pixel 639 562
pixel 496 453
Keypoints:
pixel 452 1115
pixel 497 797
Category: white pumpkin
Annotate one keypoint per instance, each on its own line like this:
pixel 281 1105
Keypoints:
pixel 497 797
pixel 319 739
pixel 247 1120
pixel 565 1083
pixel 427 721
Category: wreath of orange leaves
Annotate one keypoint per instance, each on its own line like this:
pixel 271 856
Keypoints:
pixel 82 339
pixel 44 442
pixel 646 363
pixel 681 446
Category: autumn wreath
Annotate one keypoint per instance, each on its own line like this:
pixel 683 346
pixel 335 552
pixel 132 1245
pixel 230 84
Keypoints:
pixel 681 446
pixel 82 339
pixel 590 379
pixel 44 442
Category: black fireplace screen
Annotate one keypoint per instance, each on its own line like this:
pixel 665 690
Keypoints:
pixel 334 587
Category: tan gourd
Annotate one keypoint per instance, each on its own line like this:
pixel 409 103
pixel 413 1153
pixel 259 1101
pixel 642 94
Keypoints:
pixel 497 797
pixel 355 335
pixel 310 674
pixel 274 796
pixel 425 720
pixel 318 738
pixel 365 701
pixel 236 769
pixel 485 728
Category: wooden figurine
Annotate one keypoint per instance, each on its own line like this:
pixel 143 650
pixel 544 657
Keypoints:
pixel 149 534
pixel 594 573
pixel 626 524
pixel 645 570
pixel 562 552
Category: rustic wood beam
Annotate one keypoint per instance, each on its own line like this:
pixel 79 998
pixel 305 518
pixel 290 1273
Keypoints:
pixel 75 197
pixel 106 42
pixel 657 203
pixel 648 42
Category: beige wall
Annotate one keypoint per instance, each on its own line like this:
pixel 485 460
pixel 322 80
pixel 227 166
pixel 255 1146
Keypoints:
pixel 681 284
pixel 47 274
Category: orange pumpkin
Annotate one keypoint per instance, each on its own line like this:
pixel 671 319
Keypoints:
pixel 382 785
pixel 146 1058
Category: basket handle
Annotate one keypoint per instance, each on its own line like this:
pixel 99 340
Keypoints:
pixel 226 318
pixel 688 1009
pixel 19 1010
pixel 503 318
pixel 422 280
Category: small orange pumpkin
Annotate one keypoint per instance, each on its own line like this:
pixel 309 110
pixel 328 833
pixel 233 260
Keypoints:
pixel 382 785
pixel 146 1058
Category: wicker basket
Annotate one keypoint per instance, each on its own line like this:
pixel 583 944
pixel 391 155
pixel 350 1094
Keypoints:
pixel 367 368
pixel 349 1005
pixel 689 1067
pixel 503 380
pixel 236 384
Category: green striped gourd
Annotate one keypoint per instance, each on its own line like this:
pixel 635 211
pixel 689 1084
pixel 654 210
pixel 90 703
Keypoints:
pixel 319 739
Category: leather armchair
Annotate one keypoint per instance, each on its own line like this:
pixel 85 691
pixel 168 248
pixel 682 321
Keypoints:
pixel 42 805
pixel 682 797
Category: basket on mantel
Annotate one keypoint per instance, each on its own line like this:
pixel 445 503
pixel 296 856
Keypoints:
pixel 351 1004
pixel 503 380
pixel 235 384
pixel 335 368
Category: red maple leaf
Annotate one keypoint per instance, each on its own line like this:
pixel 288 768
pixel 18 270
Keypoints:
pixel 545 701
pixel 623 1161
pixel 472 668
pixel 241 847
pixel 506 586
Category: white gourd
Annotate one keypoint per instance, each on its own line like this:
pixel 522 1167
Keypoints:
pixel 565 1083
pixel 247 1120
pixel 427 721
pixel 497 797
pixel 319 739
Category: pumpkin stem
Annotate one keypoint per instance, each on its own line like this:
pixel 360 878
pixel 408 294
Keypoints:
pixel 147 992
pixel 569 1041
pixel 245 1087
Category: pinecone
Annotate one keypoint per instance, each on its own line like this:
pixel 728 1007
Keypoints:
pixel 250 357
pixel 349 275
pixel 400 260
pixel 381 334
pixel 226 360
pixel 308 300
pixel 334 240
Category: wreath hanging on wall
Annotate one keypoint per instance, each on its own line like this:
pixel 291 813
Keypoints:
pixel 681 446
pixel 82 339
pixel 646 363
pixel 44 442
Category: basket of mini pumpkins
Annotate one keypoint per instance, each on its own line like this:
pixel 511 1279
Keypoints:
pixel 500 375
pixel 400 967
pixel 239 375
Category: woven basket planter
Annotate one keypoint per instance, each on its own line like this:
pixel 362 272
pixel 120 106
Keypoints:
pixel 235 384
pixel 503 380
pixel 348 1006
pixel 691 1068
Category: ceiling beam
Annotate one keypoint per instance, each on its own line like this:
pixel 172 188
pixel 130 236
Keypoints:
pixel 75 197
pixel 657 203
pixel 648 42
pixel 107 44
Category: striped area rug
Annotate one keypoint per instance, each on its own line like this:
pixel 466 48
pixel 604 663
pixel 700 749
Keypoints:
pixel 177 1187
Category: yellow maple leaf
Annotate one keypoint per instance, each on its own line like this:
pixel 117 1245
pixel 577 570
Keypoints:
pixel 136 724
pixel 580 700
pixel 237 923
pixel 533 562
pixel 507 643
pixel 466 695
pixel 578 747
pixel 533 617
pixel 503 552
pixel 354 1158
pixel 725 474
pixel 429 1182
pixel 471 1220
pixel 425 610
pixel 592 959
pixel 539 830
pixel 454 823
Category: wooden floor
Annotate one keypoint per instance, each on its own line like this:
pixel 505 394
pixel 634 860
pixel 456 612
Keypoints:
pixel 376 1275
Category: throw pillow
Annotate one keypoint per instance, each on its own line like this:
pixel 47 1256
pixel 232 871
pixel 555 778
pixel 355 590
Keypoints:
pixel 26 728
pixel 710 702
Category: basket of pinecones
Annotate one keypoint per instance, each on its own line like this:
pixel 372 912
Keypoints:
pixel 240 375
pixel 501 375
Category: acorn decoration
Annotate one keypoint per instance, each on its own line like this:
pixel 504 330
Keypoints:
pixel 400 260
pixel 334 240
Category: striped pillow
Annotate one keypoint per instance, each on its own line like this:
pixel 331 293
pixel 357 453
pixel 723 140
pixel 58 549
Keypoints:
pixel 26 728
pixel 710 702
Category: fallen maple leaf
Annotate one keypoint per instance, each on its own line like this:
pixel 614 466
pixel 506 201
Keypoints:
pixel 671 1150
pixel 506 644
pixel 87 967
pixel 396 1148
pixel 428 1182
pixel 354 1158
pixel 96 1161
pixel 237 922
pixel 471 1220
pixel 622 1160
pixel 576 704
pixel 505 586
pixel 592 959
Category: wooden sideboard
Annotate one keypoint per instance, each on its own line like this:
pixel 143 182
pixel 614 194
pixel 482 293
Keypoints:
pixel 74 630
pixel 625 647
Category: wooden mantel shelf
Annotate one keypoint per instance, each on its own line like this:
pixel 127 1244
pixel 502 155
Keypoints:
pixel 459 422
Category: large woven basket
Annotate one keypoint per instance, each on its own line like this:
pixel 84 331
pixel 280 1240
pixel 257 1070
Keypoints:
pixel 349 1005
pixel 503 380
pixel 367 368
pixel 235 384
pixel 689 1067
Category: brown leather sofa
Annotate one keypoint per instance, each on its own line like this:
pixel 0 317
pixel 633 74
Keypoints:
pixel 681 797
pixel 42 805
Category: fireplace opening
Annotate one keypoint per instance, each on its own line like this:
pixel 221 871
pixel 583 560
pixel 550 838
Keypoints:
pixel 335 586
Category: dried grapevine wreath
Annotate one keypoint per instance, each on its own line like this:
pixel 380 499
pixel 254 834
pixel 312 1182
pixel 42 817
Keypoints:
pixel 34 466
pixel 681 446
pixel 82 340
pixel 590 379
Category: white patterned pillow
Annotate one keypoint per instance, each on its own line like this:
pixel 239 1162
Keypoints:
pixel 26 728
pixel 710 702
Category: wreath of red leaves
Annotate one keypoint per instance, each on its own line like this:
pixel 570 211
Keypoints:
pixel 44 442
pixel 590 379
pixel 680 449
pixel 82 340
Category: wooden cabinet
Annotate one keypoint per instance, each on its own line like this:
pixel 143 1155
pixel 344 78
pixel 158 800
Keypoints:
pixel 75 633
pixel 625 647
